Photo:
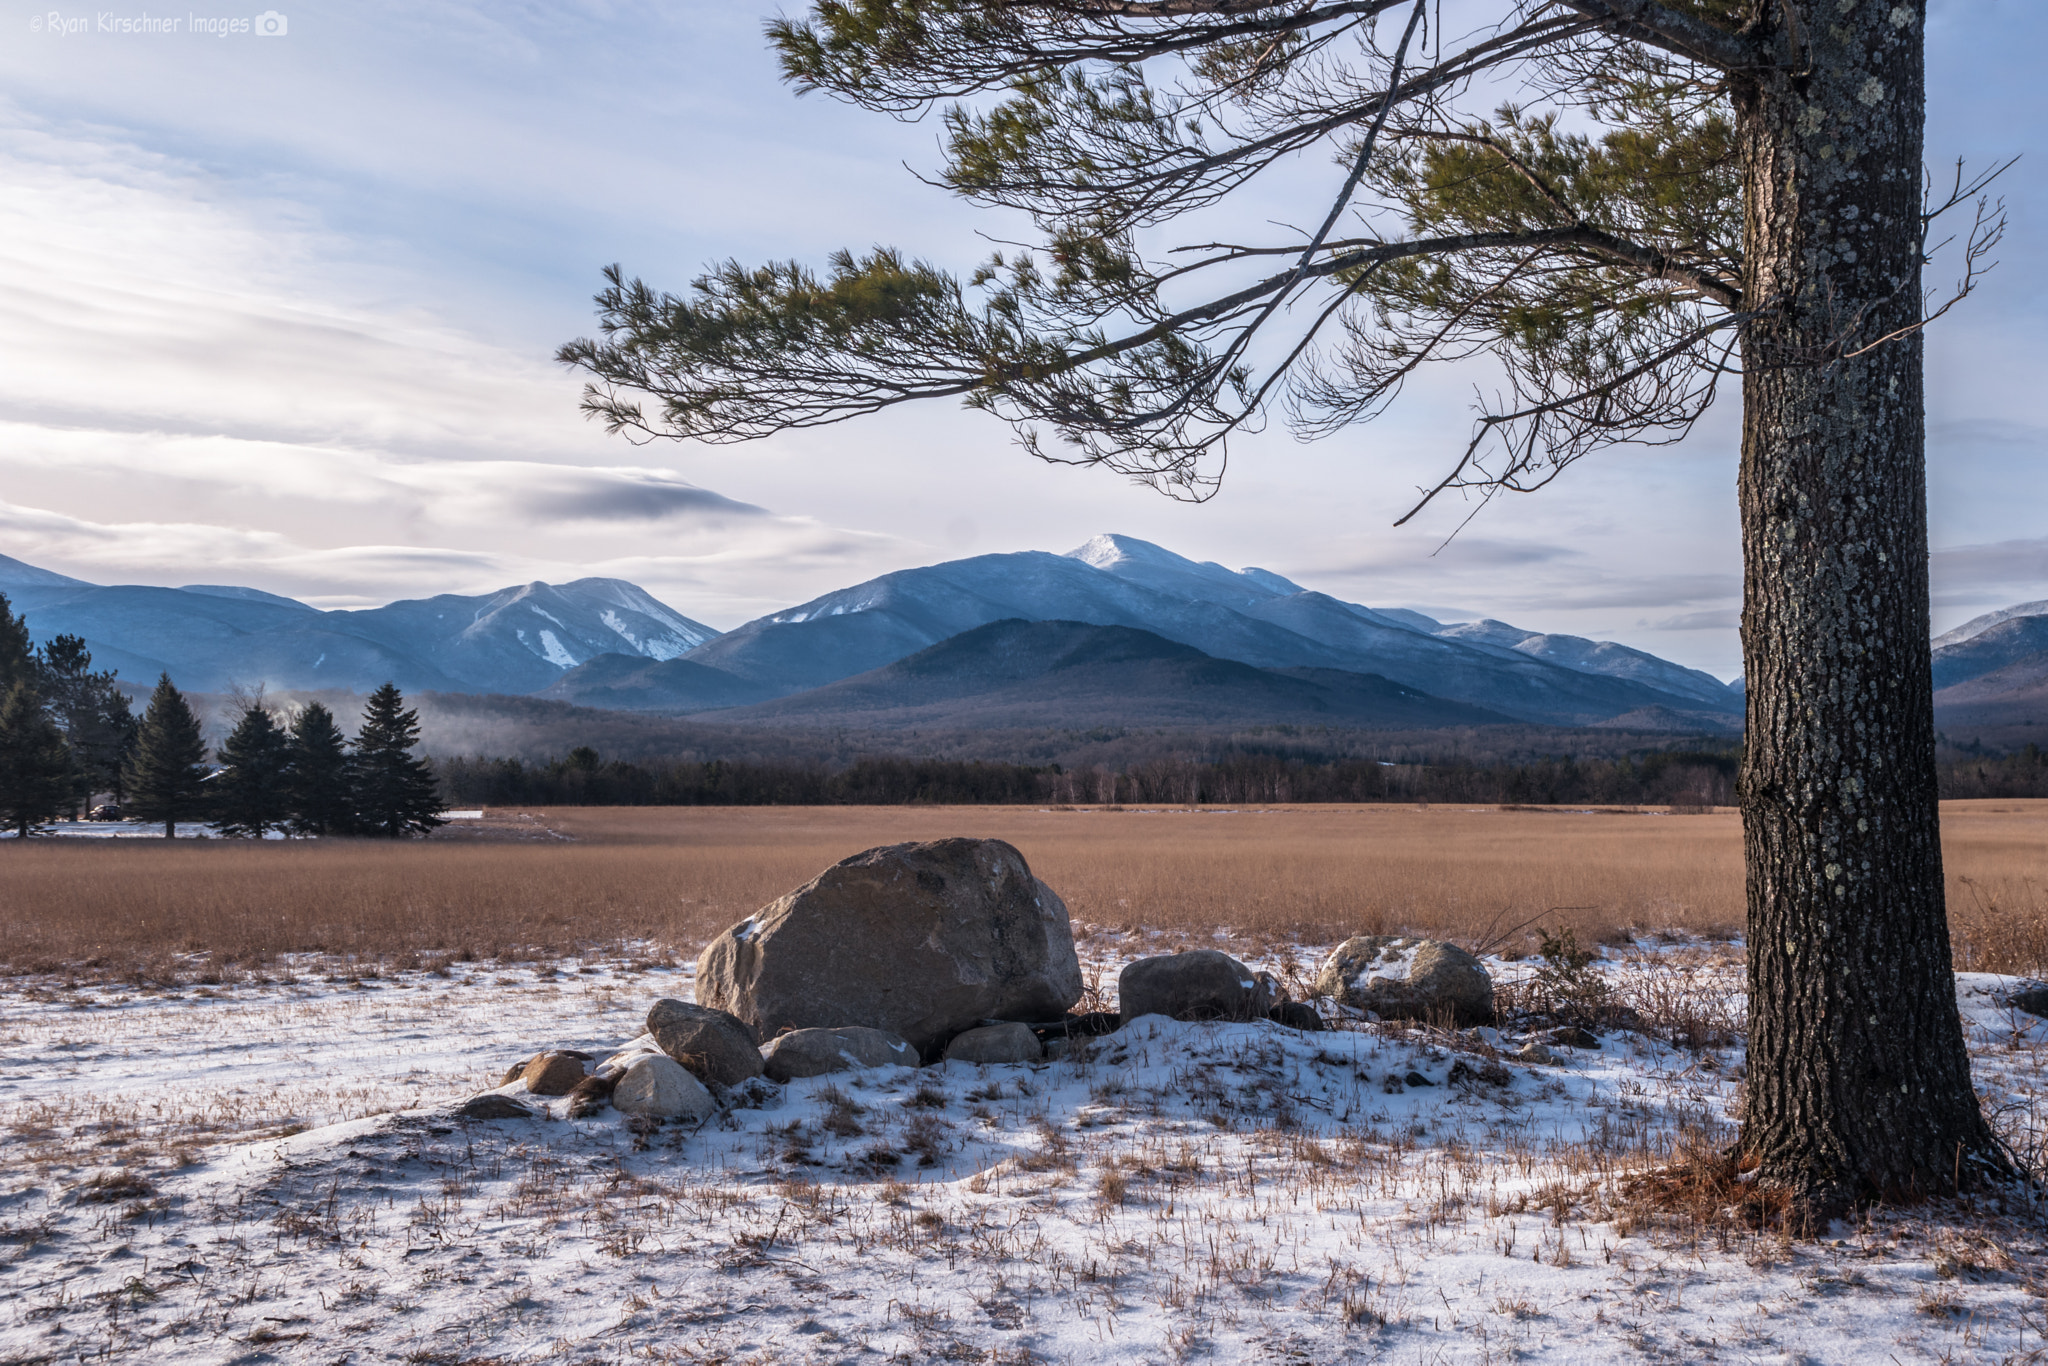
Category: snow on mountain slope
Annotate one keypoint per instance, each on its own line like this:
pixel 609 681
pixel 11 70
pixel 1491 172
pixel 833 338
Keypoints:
pixel 1594 656
pixel 522 639
pixel 210 636
pixel 2008 641
pixel 1976 626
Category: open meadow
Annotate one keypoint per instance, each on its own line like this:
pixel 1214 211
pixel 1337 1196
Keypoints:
pixel 229 1073
pixel 527 883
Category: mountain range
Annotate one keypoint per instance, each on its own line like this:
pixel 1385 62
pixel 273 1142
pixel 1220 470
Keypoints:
pixel 209 636
pixel 1248 616
pixel 1117 631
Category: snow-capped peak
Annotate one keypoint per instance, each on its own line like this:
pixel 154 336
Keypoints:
pixel 1110 548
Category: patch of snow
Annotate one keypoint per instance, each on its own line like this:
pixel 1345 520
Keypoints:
pixel 611 619
pixel 554 652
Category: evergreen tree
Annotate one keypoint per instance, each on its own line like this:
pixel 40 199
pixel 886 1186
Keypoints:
pixel 251 794
pixel 91 711
pixel 36 778
pixel 167 771
pixel 320 777
pixel 396 793
pixel 18 662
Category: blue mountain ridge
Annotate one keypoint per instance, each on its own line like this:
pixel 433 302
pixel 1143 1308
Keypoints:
pixel 607 643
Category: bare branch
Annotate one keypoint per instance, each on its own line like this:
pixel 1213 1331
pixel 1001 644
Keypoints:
pixel 1645 21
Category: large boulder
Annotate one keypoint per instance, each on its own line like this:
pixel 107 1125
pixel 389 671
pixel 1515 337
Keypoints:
pixel 659 1087
pixel 814 1052
pixel 996 1043
pixel 1202 984
pixel 1410 979
pixel 715 1045
pixel 922 940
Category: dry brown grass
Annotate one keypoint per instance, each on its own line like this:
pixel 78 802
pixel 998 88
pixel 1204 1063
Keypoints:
pixel 676 876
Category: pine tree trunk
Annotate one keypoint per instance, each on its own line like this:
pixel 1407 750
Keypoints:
pixel 1858 1083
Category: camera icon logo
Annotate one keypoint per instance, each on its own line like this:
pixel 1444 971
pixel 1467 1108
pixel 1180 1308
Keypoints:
pixel 270 24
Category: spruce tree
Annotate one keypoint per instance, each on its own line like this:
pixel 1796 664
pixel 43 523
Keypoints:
pixel 91 711
pixel 320 776
pixel 167 771
pixel 396 792
pixel 250 795
pixel 18 662
pixel 36 778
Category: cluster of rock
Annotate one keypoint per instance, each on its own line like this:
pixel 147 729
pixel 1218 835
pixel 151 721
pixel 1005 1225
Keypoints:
pixel 947 950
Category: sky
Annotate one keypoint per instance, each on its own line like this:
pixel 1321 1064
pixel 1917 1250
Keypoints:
pixel 279 310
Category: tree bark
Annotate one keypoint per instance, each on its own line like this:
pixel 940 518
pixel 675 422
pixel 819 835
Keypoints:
pixel 1859 1084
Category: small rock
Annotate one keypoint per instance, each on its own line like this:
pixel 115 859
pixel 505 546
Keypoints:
pixel 2034 1000
pixel 815 1052
pixel 1090 1025
pixel 590 1095
pixel 615 1066
pixel 491 1105
pixel 1417 1079
pixel 659 1087
pixel 1202 984
pixel 553 1074
pixel 999 1043
pixel 716 1045
pixel 1467 1074
pixel 1298 1015
pixel 514 1072
pixel 1410 979
pixel 1572 1036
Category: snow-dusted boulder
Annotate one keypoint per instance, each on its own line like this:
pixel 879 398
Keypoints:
pixel 1411 979
pixel 921 940
pixel 996 1043
pixel 661 1088
pixel 815 1052
pixel 1202 984
pixel 715 1045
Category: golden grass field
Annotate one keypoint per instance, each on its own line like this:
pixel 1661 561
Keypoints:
pixel 538 883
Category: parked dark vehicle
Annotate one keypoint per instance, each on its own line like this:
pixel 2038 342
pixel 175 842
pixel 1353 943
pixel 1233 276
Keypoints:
pixel 106 811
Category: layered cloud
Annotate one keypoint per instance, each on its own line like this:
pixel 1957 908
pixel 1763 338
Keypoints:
pixel 196 385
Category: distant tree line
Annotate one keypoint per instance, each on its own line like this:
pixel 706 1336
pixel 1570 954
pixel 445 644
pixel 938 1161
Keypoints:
pixel 68 732
pixel 2023 773
pixel 584 778
pixel 1682 779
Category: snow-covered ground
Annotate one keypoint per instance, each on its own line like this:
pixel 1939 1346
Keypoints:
pixel 272 1172
pixel 147 830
